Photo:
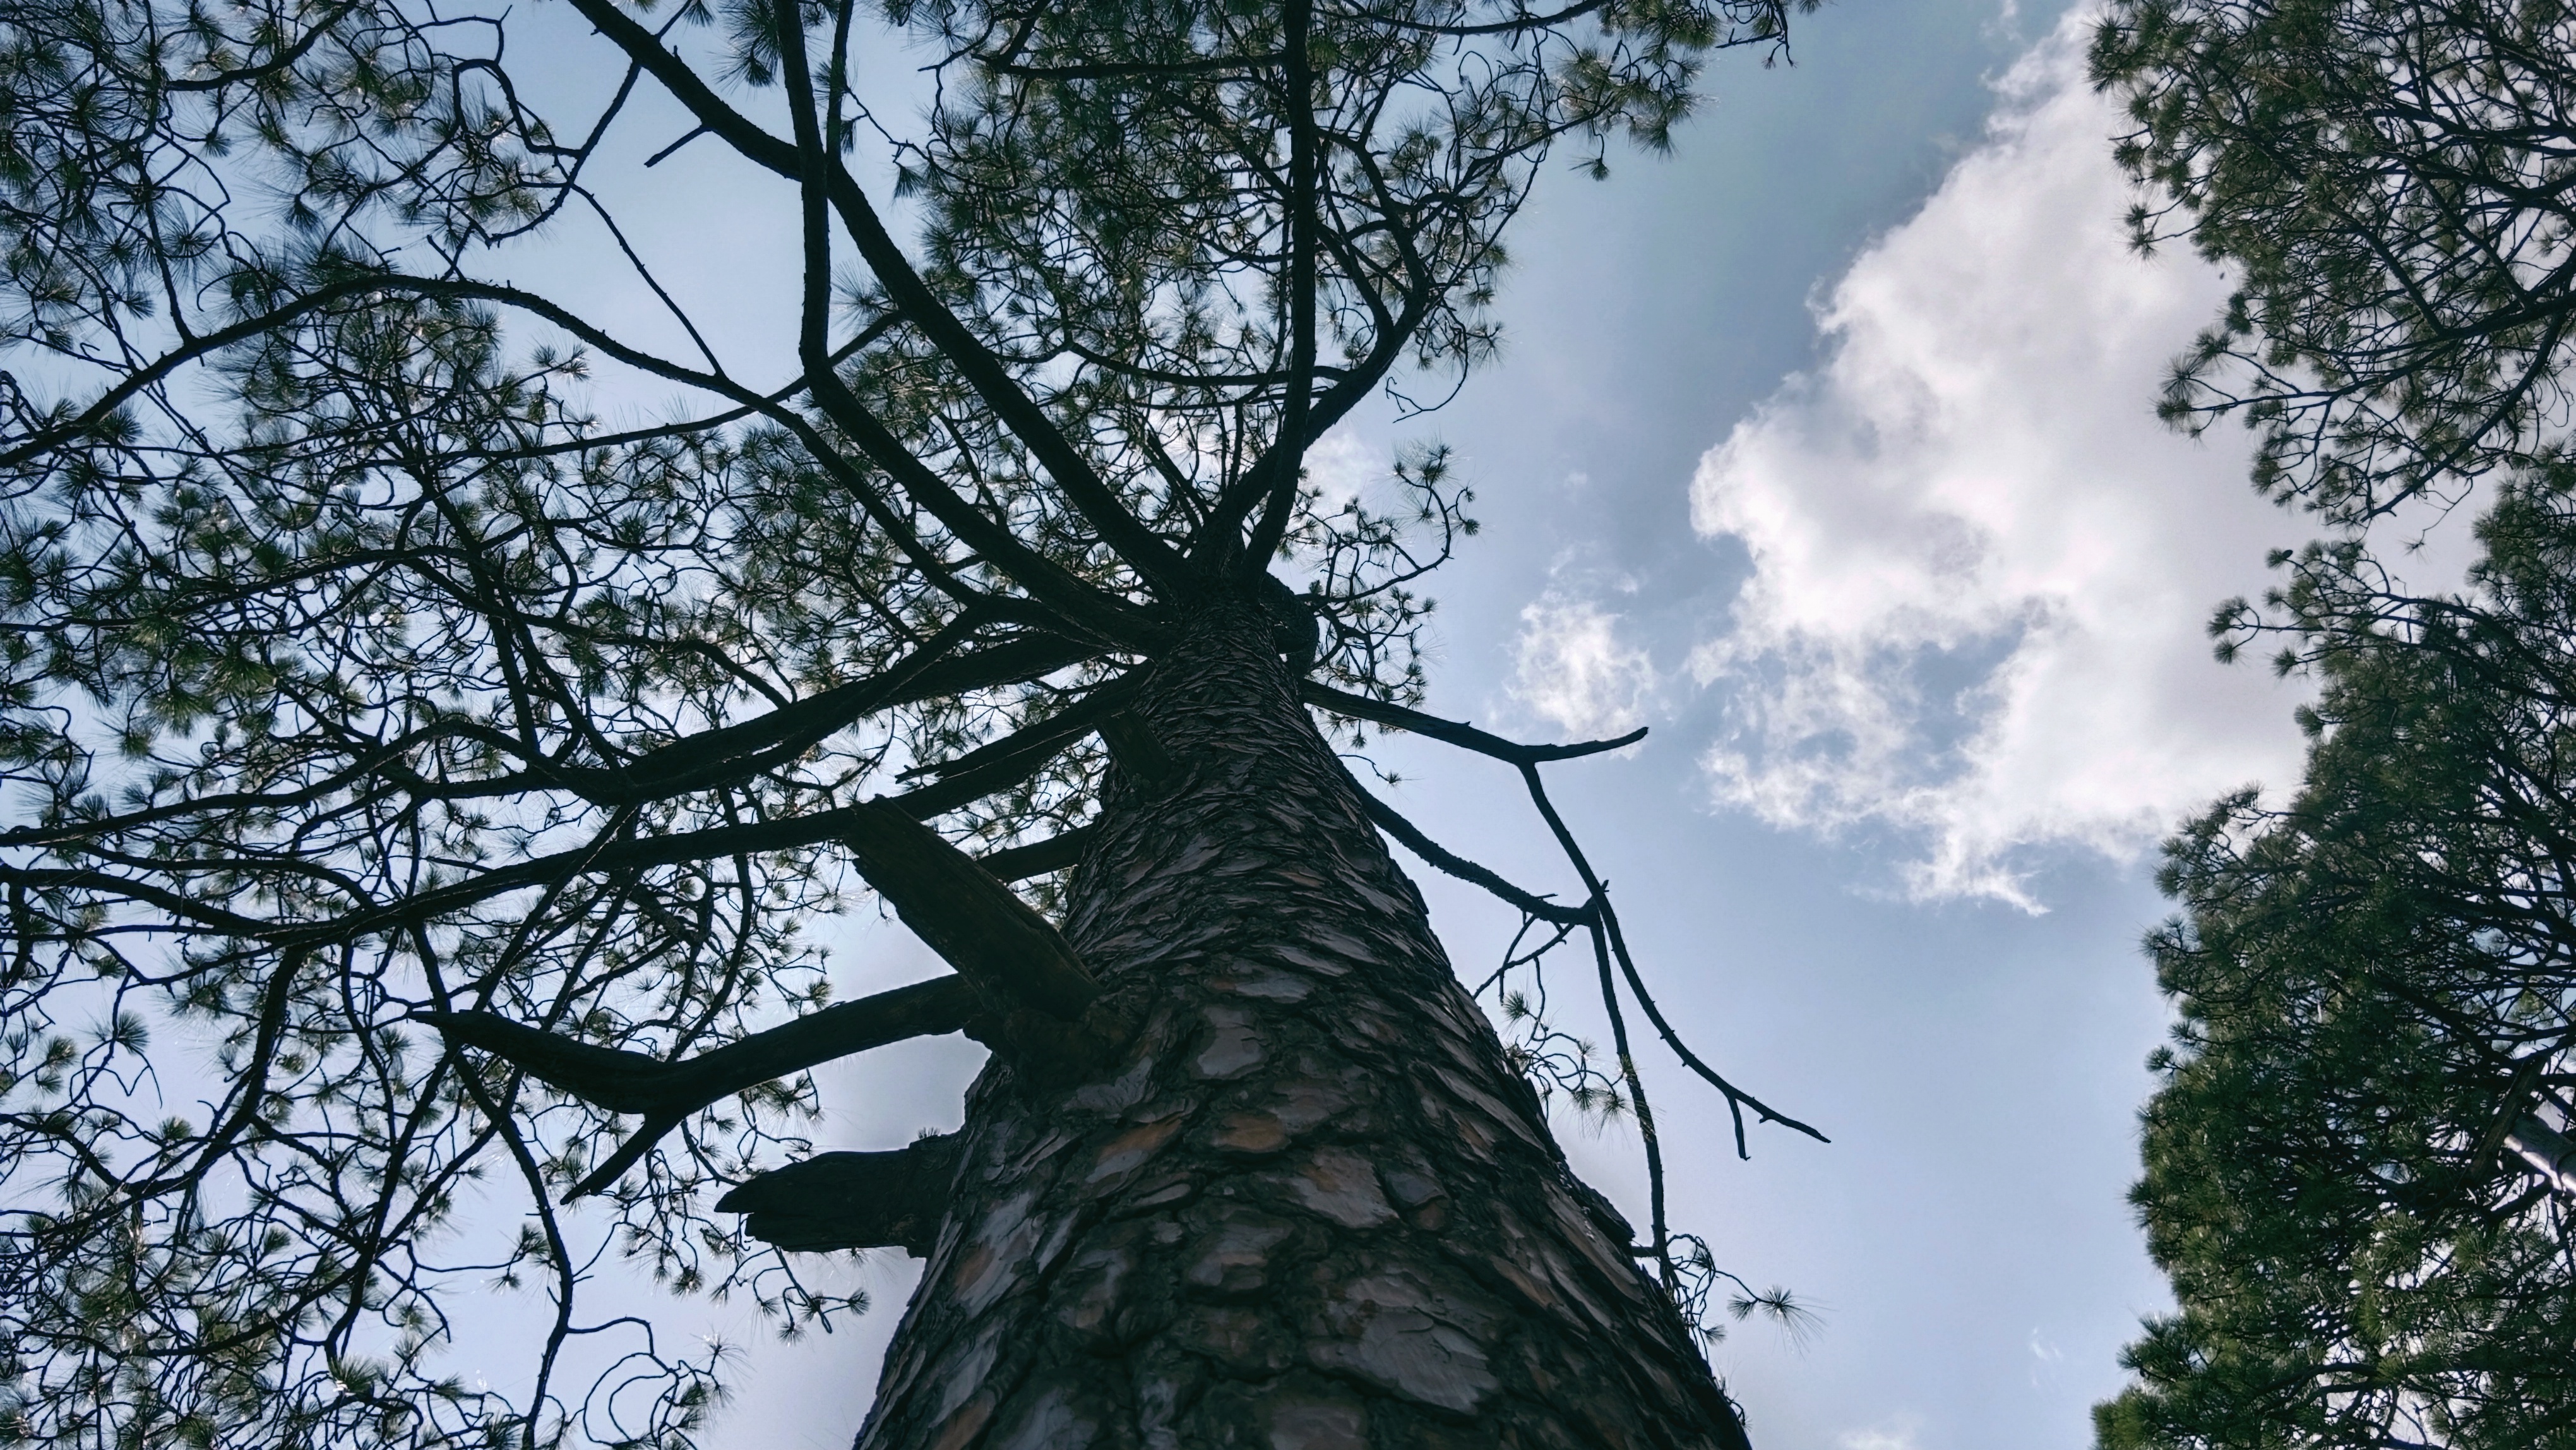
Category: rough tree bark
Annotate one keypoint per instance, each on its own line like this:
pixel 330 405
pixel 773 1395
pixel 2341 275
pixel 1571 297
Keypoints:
pixel 1310 1205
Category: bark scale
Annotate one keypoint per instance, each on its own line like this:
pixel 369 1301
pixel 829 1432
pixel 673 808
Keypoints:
pixel 1311 1207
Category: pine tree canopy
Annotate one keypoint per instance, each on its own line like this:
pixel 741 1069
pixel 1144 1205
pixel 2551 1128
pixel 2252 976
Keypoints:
pixel 2354 1167
pixel 2358 1168
pixel 2388 184
pixel 422 767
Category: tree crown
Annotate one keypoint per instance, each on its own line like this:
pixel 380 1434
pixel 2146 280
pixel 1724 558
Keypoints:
pixel 360 678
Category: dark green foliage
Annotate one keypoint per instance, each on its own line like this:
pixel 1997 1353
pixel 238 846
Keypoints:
pixel 2377 982
pixel 2388 183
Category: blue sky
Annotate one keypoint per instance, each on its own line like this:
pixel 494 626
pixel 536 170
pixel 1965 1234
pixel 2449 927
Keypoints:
pixel 1824 448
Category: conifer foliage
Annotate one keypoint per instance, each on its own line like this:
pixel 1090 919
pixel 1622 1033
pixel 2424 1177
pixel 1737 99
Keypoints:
pixel 2387 183
pixel 419 786
pixel 2359 1172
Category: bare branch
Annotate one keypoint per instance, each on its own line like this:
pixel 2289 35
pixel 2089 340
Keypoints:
pixel 1465 870
pixel 1360 707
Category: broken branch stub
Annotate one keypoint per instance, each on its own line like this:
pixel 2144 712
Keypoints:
pixel 995 940
pixel 1133 744
pixel 852 1200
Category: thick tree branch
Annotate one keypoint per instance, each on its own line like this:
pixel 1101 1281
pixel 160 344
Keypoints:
pixel 1286 457
pixel 1658 1224
pixel 993 939
pixel 630 1082
pixel 666 1093
pixel 1257 482
pixel 1056 853
pixel 754 838
pixel 605 857
pixel 1001 765
pixel 1143 549
pixel 732 752
pixel 731 126
pixel 283 60
pixel 826 183
pixel 1042 739
pixel 1517 24
pixel 1206 65
pixel 2545 1151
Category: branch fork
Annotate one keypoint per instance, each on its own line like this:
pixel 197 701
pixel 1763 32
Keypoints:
pixel 1019 988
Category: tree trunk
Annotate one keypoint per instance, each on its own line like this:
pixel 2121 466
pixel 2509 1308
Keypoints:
pixel 1312 1206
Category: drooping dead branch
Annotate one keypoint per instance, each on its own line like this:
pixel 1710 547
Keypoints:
pixel 1661 1245
pixel 1609 935
pixel 1453 864
pixel 1596 911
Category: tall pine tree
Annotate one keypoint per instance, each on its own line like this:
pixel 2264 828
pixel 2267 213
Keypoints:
pixel 2358 1172
pixel 417 784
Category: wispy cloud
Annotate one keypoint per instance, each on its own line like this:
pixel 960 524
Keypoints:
pixel 1570 667
pixel 1980 568
pixel 1896 1434
pixel 1343 466
pixel 2046 1359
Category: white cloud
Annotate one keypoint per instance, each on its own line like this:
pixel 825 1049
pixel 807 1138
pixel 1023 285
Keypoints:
pixel 1570 667
pixel 1343 466
pixel 1981 569
pixel 1896 1434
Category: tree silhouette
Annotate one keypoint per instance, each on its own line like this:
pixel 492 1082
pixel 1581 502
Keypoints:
pixel 460 769
pixel 2357 1166
pixel 2358 1169
pixel 2387 182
